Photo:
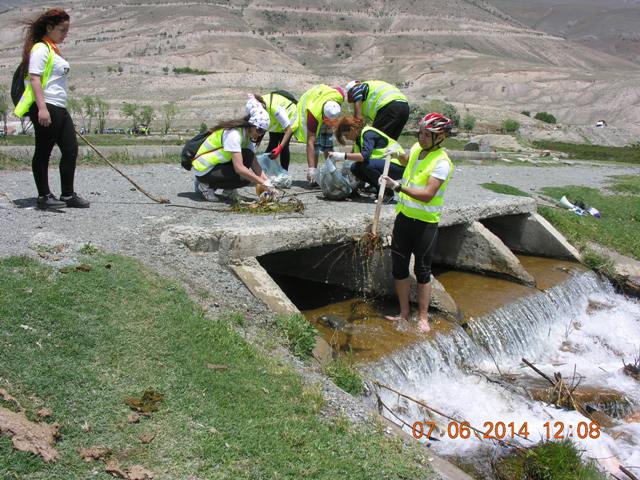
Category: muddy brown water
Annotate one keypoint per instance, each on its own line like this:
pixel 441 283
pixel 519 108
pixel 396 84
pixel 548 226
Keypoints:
pixel 368 336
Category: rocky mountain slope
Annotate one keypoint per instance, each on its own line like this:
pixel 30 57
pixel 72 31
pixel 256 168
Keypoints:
pixel 468 52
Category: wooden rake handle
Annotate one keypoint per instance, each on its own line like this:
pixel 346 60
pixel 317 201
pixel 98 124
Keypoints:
pixel 108 162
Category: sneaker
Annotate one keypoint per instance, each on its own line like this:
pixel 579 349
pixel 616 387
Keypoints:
pixel 208 193
pixel 230 194
pixel 49 201
pixel 75 201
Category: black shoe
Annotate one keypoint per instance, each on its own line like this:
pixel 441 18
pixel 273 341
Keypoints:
pixel 75 201
pixel 50 201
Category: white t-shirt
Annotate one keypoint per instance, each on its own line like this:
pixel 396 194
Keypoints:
pixel 55 91
pixel 234 141
pixel 441 171
pixel 282 117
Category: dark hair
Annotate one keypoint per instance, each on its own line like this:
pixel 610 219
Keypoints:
pixel 260 99
pixel 346 124
pixel 235 123
pixel 35 30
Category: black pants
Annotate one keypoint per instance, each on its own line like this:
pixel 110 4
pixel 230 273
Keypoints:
pixel 61 132
pixel 417 237
pixel 392 118
pixel 274 139
pixel 224 175
pixel 370 170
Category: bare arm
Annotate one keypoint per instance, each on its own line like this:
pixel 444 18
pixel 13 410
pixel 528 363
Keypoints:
pixel 312 161
pixel 44 118
pixel 287 136
pixel 424 194
pixel 247 173
pixel 357 109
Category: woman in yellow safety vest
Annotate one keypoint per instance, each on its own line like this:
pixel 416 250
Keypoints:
pixel 370 148
pixel 45 102
pixel 319 105
pixel 226 159
pixel 380 104
pixel 421 199
pixel 282 109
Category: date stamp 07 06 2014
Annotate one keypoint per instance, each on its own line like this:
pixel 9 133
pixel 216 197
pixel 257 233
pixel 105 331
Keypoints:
pixel 502 430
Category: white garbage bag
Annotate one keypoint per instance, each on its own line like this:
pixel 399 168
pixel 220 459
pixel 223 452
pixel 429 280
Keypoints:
pixel 272 169
pixel 332 182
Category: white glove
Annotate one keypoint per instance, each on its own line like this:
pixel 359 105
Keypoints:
pixel 392 151
pixel 337 155
pixel 390 183
pixel 311 174
pixel 268 183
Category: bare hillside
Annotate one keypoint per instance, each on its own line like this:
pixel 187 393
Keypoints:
pixel 469 52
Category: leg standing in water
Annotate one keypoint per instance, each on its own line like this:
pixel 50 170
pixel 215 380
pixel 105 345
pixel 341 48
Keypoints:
pixel 421 199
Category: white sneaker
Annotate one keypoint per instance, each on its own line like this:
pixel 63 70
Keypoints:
pixel 229 194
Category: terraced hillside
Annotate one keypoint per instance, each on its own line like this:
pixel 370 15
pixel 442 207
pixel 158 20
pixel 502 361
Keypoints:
pixel 466 51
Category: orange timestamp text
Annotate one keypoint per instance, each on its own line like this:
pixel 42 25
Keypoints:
pixel 500 430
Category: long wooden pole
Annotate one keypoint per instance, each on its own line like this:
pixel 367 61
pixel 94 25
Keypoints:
pixel 138 187
pixel 383 184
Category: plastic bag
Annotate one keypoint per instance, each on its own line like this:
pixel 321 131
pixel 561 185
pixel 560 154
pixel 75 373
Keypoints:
pixel 346 173
pixel 332 182
pixel 272 169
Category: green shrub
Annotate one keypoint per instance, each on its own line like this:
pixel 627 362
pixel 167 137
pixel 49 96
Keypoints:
pixel 88 249
pixel 510 125
pixel 343 373
pixel 582 151
pixel 189 70
pixel 545 117
pixel 526 113
pixel 203 127
pixel 299 334
pixel 598 263
pixel 468 122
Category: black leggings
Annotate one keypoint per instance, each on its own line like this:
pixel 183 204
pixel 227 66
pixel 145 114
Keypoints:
pixel 392 118
pixel 274 139
pixel 224 175
pixel 61 132
pixel 417 237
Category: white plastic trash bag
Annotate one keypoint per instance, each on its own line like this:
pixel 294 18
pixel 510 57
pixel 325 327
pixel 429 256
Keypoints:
pixel 272 169
pixel 332 182
pixel 346 173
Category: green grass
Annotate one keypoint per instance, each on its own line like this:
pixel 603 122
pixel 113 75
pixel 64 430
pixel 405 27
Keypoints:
pixel 114 140
pixel 89 160
pixel 452 143
pixel 97 337
pixel 299 334
pixel 548 461
pixel 505 189
pixel 625 184
pixel 344 374
pixel 629 154
pixel 619 227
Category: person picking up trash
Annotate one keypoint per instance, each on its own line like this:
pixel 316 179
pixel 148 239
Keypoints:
pixel 379 103
pixel 320 105
pixel 370 148
pixel 421 199
pixel 226 160
pixel 282 109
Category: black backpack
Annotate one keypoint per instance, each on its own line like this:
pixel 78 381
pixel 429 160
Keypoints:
pixel 17 85
pixel 190 149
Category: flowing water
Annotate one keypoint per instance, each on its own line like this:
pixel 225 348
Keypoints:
pixel 580 328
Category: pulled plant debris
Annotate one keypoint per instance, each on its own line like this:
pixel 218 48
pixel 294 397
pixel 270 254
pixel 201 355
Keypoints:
pixel 266 205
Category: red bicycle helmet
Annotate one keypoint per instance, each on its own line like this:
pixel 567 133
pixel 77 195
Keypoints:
pixel 436 123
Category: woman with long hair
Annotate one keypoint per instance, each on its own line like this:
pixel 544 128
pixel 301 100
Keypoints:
pixel 226 160
pixel 370 147
pixel 44 101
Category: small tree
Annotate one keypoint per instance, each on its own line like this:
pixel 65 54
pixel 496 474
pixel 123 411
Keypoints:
pixel 131 110
pixel 75 107
pixel 468 122
pixel 102 111
pixel 89 109
pixel 545 117
pixel 147 114
pixel 203 127
pixel 169 112
pixel 510 125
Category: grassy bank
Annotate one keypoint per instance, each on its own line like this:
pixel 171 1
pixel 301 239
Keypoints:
pixel 80 342
pixel 593 152
pixel 113 140
pixel 8 162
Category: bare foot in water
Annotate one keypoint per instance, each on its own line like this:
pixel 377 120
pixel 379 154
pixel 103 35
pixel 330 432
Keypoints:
pixel 423 326
pixel 395 318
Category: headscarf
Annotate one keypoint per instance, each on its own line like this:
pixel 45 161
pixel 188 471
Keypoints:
pixel 258 116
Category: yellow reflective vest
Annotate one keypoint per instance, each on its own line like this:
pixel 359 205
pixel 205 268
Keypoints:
pixel 212 153
pixel 416 174
pixel 273 101
pixel 28 97
pixel 380 94
pixel 313 100
pixel 378 153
